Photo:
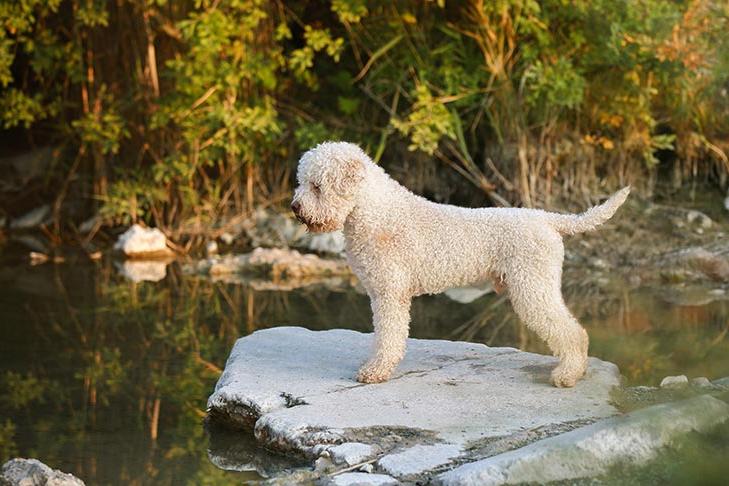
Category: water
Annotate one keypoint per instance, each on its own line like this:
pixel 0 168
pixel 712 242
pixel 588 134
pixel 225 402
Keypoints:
pixel 108 379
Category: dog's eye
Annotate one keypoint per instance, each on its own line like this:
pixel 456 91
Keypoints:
pixel 316 188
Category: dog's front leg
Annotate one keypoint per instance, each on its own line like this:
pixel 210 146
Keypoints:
pixel 391 316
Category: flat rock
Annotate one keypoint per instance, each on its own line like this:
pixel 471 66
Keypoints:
pixel 362 479
pixel 325 242
pixel 351 453
pixel 275 269
pixel 270 229
pixel 295 388
pixel 694 264
pixel 418 459
pixel 701 382
pixel 32 472
pixel 590 451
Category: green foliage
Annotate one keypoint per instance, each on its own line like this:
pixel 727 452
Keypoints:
pixel 17 108
pixel 105 372
pixel 427 123
pixel 350 11
pixel 22 391
pixel 132 198
pixel 8 449
pixel 103 130
pixel 553 86
pixel 183 110
pixel 310 134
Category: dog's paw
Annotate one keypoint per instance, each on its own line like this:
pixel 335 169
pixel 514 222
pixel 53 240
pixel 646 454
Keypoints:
pixel 373 373
pixel 566 376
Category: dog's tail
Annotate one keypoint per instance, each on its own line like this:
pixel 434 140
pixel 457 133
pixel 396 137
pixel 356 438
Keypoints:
pixel 572 224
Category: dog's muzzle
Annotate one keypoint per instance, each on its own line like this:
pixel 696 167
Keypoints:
pixel 296 208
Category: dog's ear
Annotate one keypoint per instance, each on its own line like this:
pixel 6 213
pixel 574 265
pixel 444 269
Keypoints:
pixel 349 174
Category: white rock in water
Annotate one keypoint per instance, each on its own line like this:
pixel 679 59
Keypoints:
pixel 32 219
pixel 143 242
pixel 704 221
pixel 142 270
pixel 323 464
pixel 351 453
pixel 327 243
pixel 418 459
pixel 701 381
pixel 590 451
pixel 466 295
pixel 674 381
pixel 296 389
pixel 211 248
pixel 599 263
pixel 32 472
pixel 363 479
pixel 227 238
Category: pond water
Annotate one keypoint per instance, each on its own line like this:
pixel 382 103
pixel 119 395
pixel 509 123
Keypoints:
pixel 108 379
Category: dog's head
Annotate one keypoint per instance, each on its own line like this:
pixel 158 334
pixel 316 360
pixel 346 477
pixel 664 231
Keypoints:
pixel 329 176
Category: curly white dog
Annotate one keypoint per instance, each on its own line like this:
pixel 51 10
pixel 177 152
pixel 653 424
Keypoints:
pixel 401 245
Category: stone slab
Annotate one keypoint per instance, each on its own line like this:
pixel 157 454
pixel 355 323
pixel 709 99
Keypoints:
pixel 419 458
pixel 295 388
pixel 351 453
pixel 362 479
pixel 590 451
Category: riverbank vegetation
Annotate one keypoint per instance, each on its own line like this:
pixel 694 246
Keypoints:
pixel 184 114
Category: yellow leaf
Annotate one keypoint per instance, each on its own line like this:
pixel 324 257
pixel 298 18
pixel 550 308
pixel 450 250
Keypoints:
pixel 409 18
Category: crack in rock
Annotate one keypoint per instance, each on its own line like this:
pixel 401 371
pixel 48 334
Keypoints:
pixel 292 401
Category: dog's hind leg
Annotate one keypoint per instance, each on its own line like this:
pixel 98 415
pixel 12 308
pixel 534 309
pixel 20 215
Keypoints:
pixel 539 304
pixel 391 316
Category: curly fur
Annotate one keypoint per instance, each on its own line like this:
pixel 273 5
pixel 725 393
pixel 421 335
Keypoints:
pixel 401 245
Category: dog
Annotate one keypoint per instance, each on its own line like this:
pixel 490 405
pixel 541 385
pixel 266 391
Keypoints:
pixel 401 245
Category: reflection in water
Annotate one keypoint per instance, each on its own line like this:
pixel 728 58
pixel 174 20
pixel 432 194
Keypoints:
pixel 107 378
pixel 236 451
pixel 142 271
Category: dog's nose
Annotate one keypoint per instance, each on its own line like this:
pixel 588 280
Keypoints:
pixel 295 206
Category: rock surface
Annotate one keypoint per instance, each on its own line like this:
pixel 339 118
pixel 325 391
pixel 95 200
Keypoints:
pixel 694 264
pixel 418 459
pixel 281 268
pixel 674 381
pixel 701 382
pixel 32 472
pixel 362 479
pixel 271 229
pixel 295 389
pixel 324 242
pixel 139 242
pixel 351 453
pixel 592 450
